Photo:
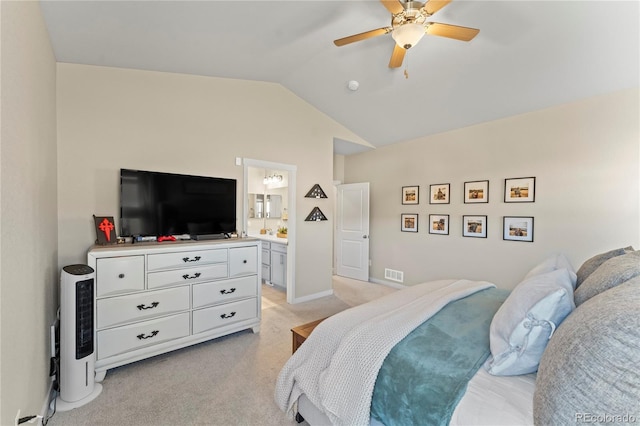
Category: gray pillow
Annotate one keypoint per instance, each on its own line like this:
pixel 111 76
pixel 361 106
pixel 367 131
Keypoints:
pixel 592 264
pixel 589 371
pixel 611 273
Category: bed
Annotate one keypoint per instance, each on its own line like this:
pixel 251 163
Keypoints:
pixel 561 347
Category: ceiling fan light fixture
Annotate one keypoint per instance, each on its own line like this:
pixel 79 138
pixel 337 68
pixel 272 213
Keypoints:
pixel 408 35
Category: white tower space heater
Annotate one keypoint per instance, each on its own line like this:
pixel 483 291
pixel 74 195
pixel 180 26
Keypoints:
pixel 77 354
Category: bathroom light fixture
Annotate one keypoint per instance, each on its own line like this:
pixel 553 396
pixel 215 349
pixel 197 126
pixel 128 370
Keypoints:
pixel 272 179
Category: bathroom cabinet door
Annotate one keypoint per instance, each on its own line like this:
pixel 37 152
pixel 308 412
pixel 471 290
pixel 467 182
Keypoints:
pixel 279 265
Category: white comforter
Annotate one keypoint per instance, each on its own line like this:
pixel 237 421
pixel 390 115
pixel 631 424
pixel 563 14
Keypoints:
pixel 337 366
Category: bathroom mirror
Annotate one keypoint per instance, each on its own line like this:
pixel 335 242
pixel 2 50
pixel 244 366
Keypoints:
pixel 273 206
pixel 265 206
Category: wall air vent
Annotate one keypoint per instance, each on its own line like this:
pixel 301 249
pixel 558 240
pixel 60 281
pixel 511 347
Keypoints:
pixel 393 275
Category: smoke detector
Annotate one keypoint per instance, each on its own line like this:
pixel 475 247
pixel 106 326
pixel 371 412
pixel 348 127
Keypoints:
pixel 353 85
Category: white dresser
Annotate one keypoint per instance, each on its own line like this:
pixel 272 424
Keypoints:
pixel 152 298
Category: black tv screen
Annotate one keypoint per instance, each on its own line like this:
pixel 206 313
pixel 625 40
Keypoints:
pixel 159 204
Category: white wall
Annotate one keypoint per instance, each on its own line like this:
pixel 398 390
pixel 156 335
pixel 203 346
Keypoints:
pixel 29 267
pixel 586 160
pixel 111 118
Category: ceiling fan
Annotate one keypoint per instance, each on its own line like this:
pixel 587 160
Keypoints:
pixel 409 24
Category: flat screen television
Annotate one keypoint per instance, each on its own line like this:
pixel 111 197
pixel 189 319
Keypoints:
pixel 158 204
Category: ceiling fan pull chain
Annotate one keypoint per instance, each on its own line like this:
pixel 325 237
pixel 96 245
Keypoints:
pixel 406 68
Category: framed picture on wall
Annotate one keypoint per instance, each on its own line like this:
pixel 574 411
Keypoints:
pixel 520 190
pixel 439 224
pixel 409 222
pixel 410 194
pixel 476 191
pixel 474 226
pixel 439 193
pixel 517 228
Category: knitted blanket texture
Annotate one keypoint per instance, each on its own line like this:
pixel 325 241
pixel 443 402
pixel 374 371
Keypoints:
pixel 337 366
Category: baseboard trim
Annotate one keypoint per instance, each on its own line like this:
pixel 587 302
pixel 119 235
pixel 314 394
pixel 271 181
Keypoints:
pixel 44 411
pixel 313 296
pixel 387 283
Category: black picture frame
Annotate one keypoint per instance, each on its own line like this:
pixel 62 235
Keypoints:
pixel 474 226
pixel 440 193
pixel 517 228
pixel 476 191
pixel 520 190
pixel 409 222
pixel 411 195
pixel 439 224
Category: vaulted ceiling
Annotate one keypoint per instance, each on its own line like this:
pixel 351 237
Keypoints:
pixel 528 55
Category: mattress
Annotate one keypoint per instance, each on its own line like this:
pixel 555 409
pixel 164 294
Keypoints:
pixel 488 401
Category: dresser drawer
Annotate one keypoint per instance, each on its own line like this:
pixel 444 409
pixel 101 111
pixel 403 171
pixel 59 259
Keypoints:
pixel 243 261
pixel 140 306
pixel 220 316
pixel 116 275
pixel 123 339
pixel 266 245
pixel 186 258
pixel 186 275
pixel 224 291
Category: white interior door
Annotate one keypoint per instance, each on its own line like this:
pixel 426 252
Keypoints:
pixel 352 231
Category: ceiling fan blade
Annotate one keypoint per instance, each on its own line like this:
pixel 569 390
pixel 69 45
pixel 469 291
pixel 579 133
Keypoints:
pixel 397 56
pixel 432 6
pixel 393 6
pixel 362 36
pixel 452 31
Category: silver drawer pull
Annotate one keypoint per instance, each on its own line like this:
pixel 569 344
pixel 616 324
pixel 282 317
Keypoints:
pixel 153 305
pixel 195 259
pixel 225 291
pixel 153 334
pixel 191 277
pixel 225 316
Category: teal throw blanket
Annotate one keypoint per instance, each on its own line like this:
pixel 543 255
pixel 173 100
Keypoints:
pixel 425 374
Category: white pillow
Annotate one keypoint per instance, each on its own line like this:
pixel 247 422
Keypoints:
pixel 523 325
pixel 552 263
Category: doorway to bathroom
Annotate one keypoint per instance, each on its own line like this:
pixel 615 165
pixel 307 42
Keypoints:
pixel 269 214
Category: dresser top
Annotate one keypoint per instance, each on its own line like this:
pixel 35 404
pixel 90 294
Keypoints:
pixel 171 246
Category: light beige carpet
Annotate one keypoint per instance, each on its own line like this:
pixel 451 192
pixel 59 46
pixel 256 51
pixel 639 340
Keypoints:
pixel 227 381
